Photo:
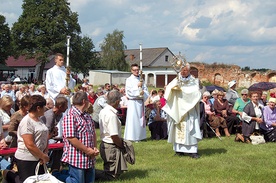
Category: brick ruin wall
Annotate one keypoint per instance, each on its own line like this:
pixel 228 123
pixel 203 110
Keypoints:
pixel 221 74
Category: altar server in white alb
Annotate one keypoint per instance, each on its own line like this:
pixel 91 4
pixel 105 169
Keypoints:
pixel 137 93
pixel 182 108
pixel 56 79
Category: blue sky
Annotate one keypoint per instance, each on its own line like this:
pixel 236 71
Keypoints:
pixel 241 32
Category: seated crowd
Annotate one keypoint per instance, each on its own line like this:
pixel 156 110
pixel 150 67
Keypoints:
pixel 225 112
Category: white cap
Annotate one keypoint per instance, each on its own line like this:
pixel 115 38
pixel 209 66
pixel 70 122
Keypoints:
pixel 231 83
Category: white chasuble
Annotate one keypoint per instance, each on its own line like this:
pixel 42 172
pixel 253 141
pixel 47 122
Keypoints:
pixel 182 108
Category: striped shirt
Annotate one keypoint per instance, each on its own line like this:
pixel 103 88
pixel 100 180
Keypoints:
pixel 80 125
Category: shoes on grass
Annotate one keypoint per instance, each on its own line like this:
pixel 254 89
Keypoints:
pixel 239 138
pixel 192 155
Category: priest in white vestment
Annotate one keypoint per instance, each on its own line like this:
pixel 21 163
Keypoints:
pixel 56 79
pixel 137 93
pixel 182 108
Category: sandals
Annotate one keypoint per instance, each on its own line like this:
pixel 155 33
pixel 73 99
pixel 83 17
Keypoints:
pixel 239 138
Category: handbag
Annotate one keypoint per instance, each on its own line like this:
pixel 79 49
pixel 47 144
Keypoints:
pixel 257 139
pixel 43 178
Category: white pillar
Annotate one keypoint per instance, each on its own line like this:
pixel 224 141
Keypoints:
pixel 166 78
pixel 154 79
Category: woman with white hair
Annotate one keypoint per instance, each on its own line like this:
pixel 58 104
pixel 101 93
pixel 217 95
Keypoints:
pixel 268 128
pixel 41 90
pixel 31 90
pixel 215 122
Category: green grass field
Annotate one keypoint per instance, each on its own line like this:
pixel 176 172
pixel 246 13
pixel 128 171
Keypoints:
pixel 221 162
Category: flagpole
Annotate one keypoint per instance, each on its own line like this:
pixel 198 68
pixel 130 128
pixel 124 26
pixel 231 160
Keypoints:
pixel 67 61
pixel 141 72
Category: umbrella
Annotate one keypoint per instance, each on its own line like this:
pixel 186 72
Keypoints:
pixel 17 79
pixel 213 87
pixel 262 86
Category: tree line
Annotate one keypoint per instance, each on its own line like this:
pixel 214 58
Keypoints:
pixel 41 31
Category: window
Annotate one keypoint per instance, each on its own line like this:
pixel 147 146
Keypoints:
pixel 166 58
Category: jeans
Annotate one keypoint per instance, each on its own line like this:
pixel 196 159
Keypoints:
pixel 61 175
pixel 78 175
pixel 4 163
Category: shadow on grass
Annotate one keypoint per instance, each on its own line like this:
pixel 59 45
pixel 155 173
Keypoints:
pixel 130 176
pixel 134 174
pixel 210 152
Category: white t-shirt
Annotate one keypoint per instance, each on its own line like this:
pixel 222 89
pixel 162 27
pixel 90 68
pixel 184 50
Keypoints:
pixel 109 124
pixel 40 134
pixel 5 120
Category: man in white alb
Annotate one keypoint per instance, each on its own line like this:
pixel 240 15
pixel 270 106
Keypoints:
pixel 56 84
pixel 136 92
pixel 56 79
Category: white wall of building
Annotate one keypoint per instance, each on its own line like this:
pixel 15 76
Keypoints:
pixel 100 77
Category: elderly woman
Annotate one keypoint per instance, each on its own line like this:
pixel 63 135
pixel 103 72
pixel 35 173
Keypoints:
pixel 157 121
pixel 41 90
pixel 92 97
pixel 214 96
pixel 263 98
pixel 241 103
pixel 221 108
pixel 6 111
pixel 252 116
pixel 2 140
pixel 215 121
pixel 20 93
pixel 31 89
pixel 32 139
pixel 16 117
pixel 124 100
pixel 268 128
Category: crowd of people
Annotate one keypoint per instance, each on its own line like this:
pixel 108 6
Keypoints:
pixel 32 117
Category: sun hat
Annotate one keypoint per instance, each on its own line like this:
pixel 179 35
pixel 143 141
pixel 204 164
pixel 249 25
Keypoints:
pixel 232 83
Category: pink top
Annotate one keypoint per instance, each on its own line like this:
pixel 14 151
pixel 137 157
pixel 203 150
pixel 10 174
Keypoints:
pixel 162 101
pixel 207 107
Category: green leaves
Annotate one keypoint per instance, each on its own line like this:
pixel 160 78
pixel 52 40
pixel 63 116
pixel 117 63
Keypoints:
pixel 5 40
pixel 42 29
pixel 112 56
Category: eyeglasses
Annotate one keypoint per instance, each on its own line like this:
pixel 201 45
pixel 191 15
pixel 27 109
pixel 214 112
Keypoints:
pixel 243 94
pixel 135 69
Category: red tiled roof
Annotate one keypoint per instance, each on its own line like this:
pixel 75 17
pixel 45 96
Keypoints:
pixel 21 61
pixel 51 63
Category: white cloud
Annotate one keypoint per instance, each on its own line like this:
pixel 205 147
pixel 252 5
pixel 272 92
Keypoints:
pixel 141 8
pixel 232 31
